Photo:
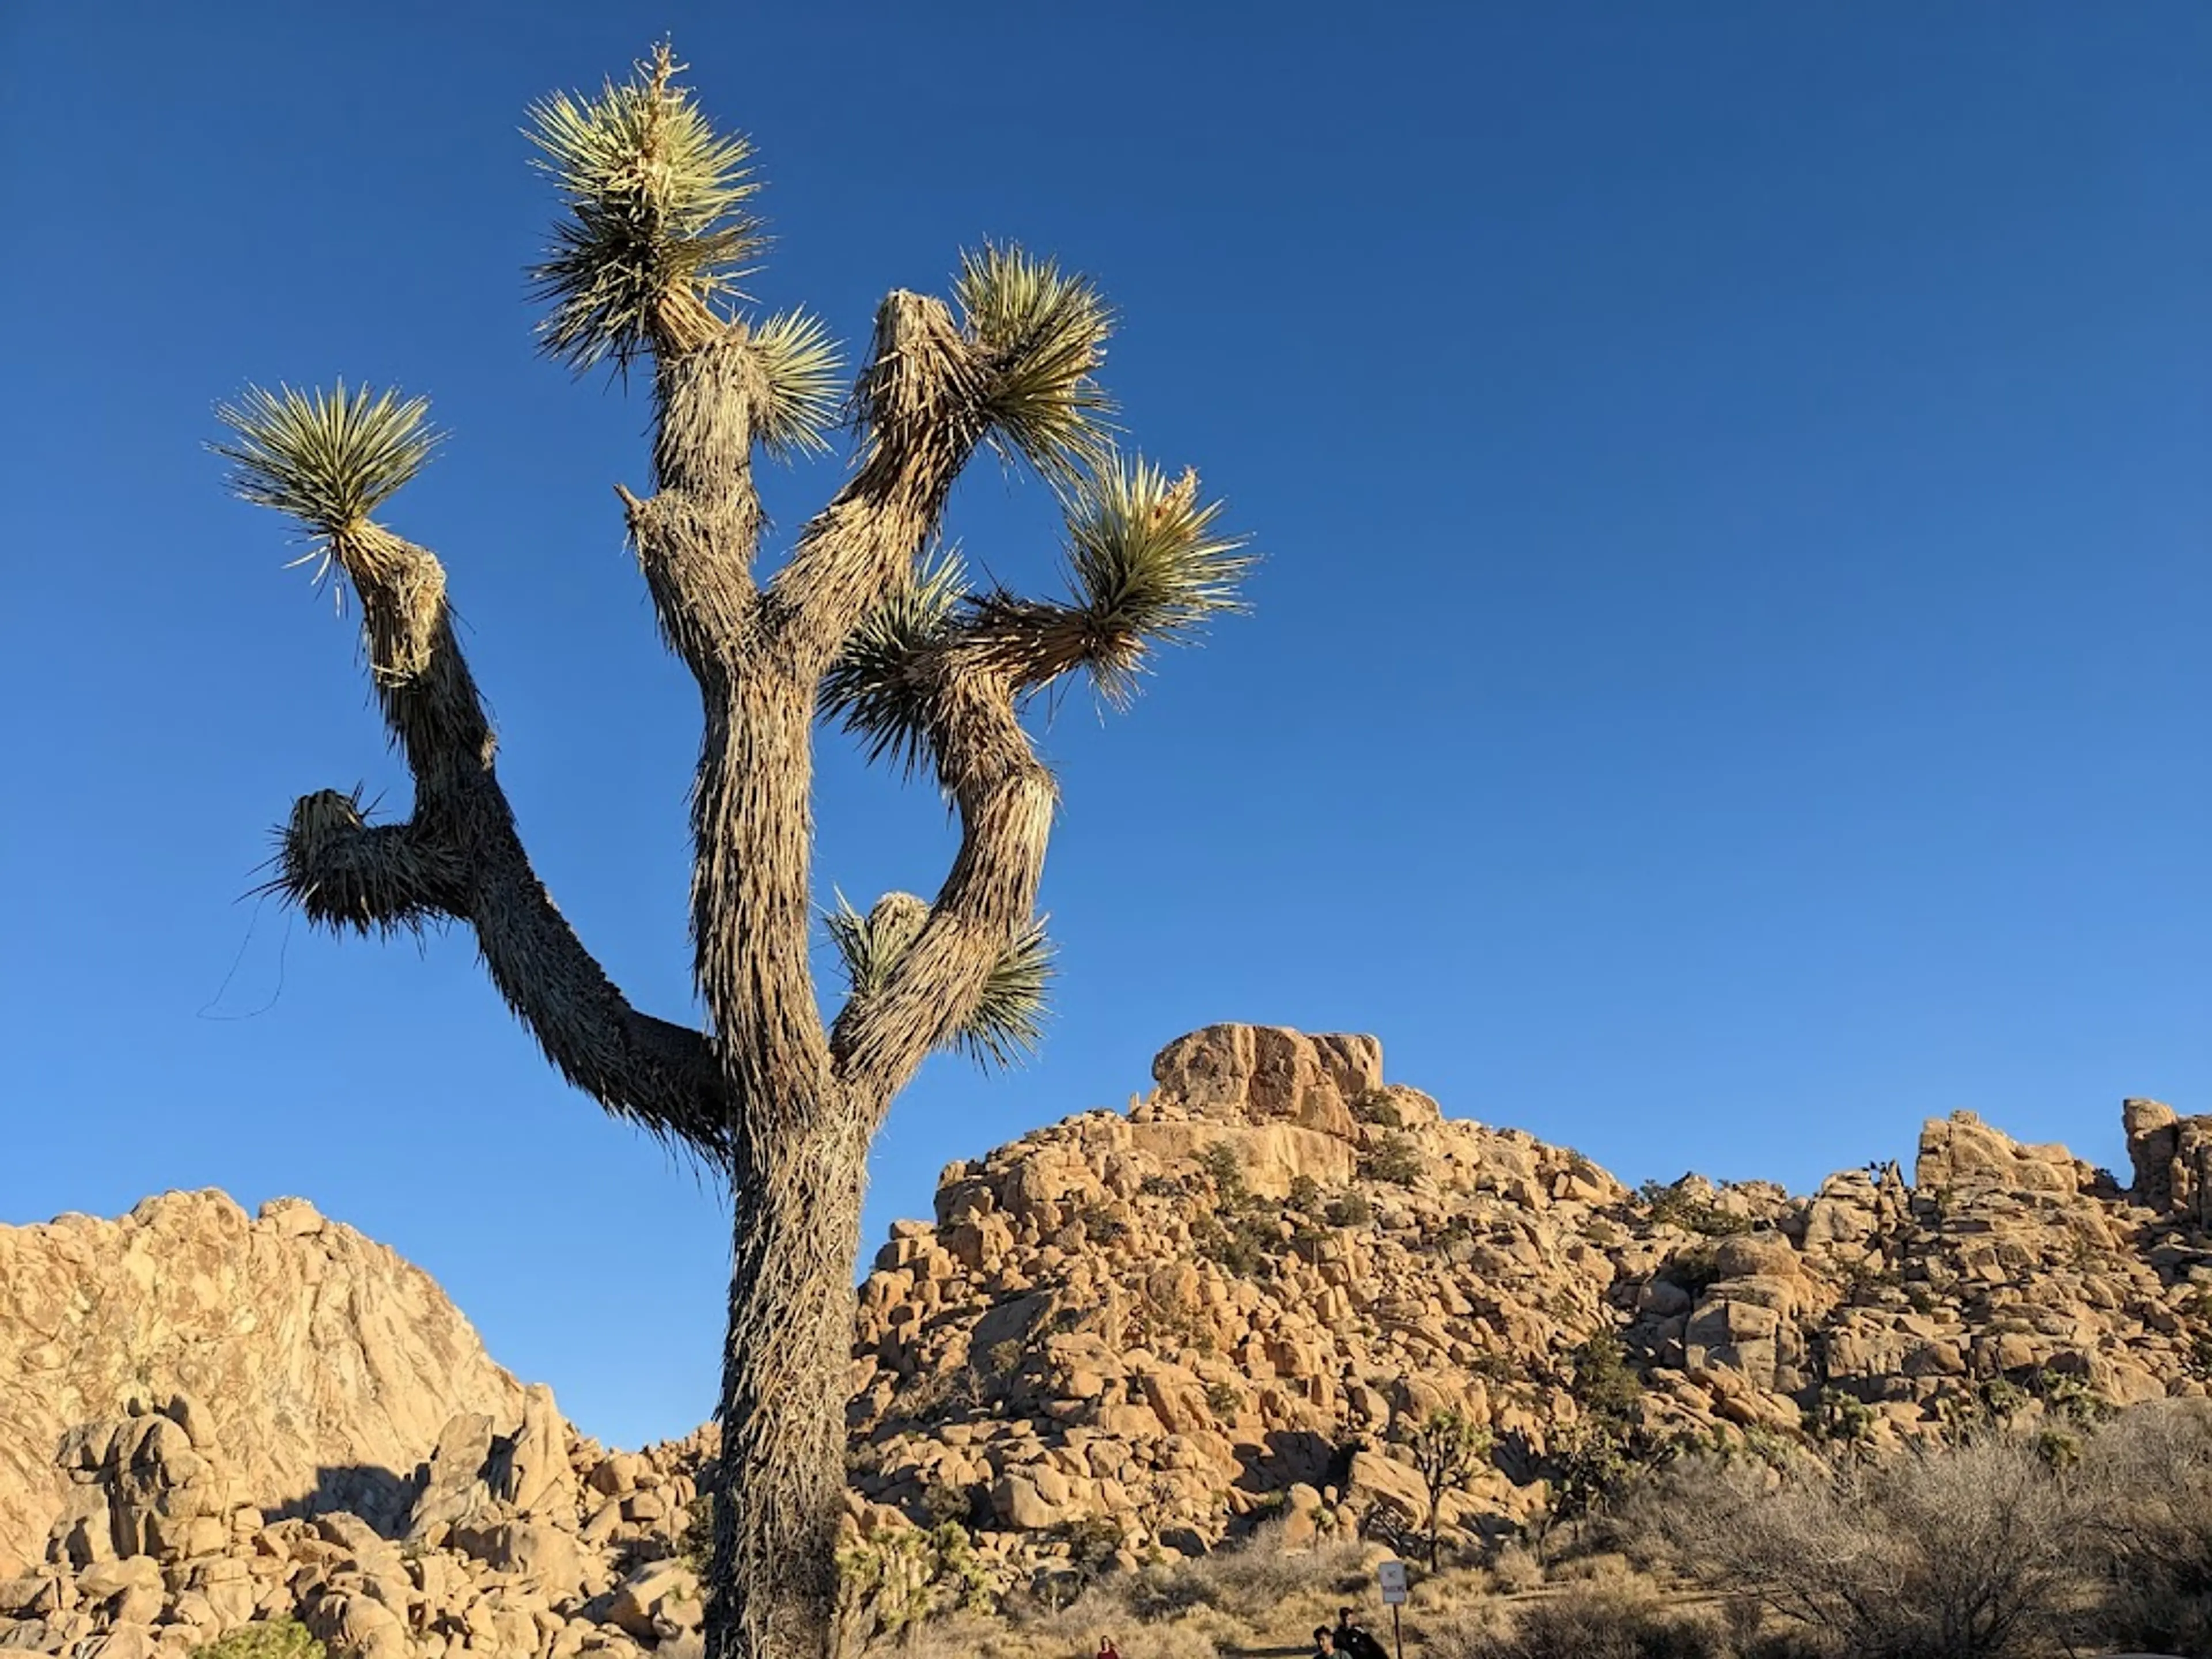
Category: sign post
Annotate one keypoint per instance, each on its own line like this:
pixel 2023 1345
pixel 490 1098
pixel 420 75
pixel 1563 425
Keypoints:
pixel 1391 1575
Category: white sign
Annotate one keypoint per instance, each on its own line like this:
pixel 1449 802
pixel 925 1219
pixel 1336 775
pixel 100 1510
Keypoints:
pixel 1392 1574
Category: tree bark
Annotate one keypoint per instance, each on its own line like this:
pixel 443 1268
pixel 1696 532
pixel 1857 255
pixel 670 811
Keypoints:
pixel 785 1363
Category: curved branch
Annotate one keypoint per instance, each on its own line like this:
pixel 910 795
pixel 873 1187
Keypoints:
pixel 460 857
pixel 921 407
pixel 1005 798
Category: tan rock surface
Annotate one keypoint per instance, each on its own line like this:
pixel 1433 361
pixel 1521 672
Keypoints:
pixel 310 1349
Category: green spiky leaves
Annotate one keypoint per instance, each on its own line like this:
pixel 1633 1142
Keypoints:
pixel 656 226
pixel 328 459
pixel 1007 1022
pixel 1042 334
pixel 799 362
pixel 880 686
pixel 1149 568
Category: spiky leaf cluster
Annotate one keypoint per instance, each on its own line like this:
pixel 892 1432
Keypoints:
pixel 1043 333
pixel 656 227
pixel 874 687
pixel 799 362
pixel 870 946
pixel 328 459
pixel 1008 1019
pixel 1148 567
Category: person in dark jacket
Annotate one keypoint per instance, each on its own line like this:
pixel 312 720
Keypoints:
pixel 1353 1640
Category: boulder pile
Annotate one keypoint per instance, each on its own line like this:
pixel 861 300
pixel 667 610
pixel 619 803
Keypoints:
pixel 1127 1335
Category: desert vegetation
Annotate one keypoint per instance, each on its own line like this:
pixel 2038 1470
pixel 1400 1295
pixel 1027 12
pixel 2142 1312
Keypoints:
pixel 2001 1542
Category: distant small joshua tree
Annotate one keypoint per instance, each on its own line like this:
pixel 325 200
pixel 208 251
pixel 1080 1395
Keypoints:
pixel 863 623
pixel 1447 1447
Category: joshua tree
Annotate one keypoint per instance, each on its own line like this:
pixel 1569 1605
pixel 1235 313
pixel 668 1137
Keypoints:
pixel 860 624
pixel 1448 1446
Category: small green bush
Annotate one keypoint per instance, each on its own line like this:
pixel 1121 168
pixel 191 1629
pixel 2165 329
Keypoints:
pixel 1351 1210
pixel 1241 1241
pixel 1397 1161
pixel 1695 1268
pixel 1374 1106
pixel 1605 1383
pixel 1220 1165
pixel 1673 1206
pixel 695 1545
pixel 265 1638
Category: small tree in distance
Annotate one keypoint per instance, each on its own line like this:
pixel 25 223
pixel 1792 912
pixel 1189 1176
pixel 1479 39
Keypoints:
pixel 857 624
pixel 1447 1447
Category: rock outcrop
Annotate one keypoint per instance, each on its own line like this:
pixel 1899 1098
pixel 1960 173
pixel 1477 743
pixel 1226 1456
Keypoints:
pixel 1246 1289
pixel 1125 1334
pixel 323 1365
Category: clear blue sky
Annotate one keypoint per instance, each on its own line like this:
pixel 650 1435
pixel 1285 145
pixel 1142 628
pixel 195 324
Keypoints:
pixel 1730 681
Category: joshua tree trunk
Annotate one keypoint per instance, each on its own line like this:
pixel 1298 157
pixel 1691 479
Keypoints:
pixel 784 1362
pixel 852 625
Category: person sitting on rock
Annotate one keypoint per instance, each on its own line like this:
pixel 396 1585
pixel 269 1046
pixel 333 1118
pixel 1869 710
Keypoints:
pixel 1353 1640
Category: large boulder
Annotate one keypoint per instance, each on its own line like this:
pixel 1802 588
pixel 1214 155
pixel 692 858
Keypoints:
pixel 1963 1152
pixel 2172 1156
pixel 1261 1074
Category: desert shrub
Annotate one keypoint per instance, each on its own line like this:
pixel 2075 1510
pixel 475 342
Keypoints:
pixel 1608 1621
pixel 1677 1206
pixel 1375 1106
pixel 1220 1165
pixel 1113 1607
pixel 1839 1418
pixel 943 1500
pixel 1101 1225
pixel 1304 1196
pixel 1223 1400
pixel 1160 1186
pixel 1516 1570
pixel 1252 1582
pixel 1243 1240
pixel 1695 1268
pixel 2146 1481
pixel 1605 1383
pixel 1961 1552
pixel 1592 1464
pixel 1350 1209
pixel 695 1545
pixel 265 1638
pixel 1397 1161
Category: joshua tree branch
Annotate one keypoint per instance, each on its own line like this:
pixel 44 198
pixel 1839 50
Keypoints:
pixel 696 538
pixel 1005 798
pixel 919 404
pixel 460 857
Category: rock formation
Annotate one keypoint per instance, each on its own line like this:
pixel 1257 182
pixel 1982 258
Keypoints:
pixel 1236 1299
pixel 1126 1335
pixel 326 1363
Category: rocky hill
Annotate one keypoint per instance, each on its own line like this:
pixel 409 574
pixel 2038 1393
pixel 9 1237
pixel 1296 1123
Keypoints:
pixel 1237 1296
pixel 1126 1334
pixel 328 1365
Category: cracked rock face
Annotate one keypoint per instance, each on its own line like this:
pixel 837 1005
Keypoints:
pixel 318 1362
